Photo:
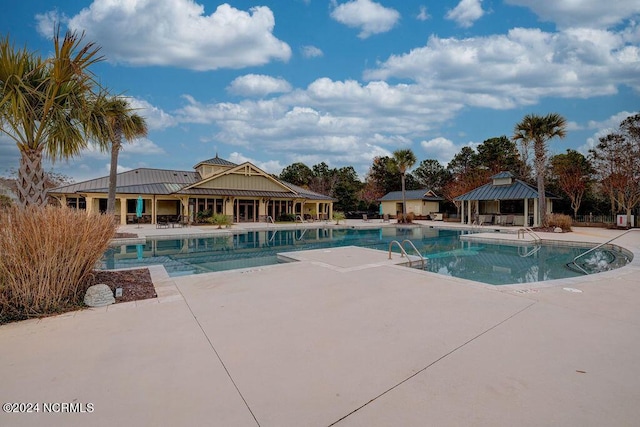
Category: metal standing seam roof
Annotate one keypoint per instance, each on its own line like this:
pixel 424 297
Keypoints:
pixel 216 161
pixel 166 182
pixel 514 191
pixel 143 178
pixel 409 195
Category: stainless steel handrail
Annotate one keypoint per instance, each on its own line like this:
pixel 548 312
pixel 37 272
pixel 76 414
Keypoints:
pixel 415 250
pixel 403 252
pixel 529 231
pixel 598 247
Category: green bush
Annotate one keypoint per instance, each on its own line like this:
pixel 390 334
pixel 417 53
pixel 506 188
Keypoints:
pixel 219 220
pixel 559 220
pixel 338 216
pixel 202 216
pixel 286 218
pixel 47 257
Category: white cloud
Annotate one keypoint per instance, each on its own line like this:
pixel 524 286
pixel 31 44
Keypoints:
pixel 370 17
pixel 441 149
pixel 311 52
pixel 258 85
pixel 466 12
pixel 120 168
pixel 603 128
pixel 583 13
pixel 340 122
pixel 141 146
pixel 178 33
pixel 156 118
pixel 519 68
pixel 46 22
pixel 423 15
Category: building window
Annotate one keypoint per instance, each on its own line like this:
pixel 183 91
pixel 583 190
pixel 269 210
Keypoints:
pixel 77 203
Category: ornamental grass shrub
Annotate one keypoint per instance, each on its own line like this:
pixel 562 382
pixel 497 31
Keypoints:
pixel 47 256
pixel 559 220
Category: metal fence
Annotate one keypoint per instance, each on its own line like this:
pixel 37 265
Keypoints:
pixel 601 219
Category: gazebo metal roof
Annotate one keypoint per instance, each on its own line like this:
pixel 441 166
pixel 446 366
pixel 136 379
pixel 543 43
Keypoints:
pixel 517 190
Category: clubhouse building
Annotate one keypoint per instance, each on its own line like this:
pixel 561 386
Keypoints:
pixel 243 192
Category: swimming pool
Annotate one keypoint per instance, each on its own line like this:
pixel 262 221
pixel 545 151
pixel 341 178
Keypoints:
pixel 446 253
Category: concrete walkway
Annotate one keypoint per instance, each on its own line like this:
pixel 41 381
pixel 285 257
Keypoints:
pixel 344 337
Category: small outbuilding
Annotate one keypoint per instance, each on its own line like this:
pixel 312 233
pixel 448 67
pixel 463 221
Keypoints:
pixel 503 201
pixel 422 203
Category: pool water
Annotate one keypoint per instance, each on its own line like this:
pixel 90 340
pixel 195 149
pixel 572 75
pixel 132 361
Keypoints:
pixel 445 252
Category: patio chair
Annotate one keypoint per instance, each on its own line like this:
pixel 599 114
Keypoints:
pixel 509 220
pixel 364 218
pixel 162 222
pixel 385 218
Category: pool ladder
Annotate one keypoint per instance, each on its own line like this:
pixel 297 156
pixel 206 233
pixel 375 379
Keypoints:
pixel 403 252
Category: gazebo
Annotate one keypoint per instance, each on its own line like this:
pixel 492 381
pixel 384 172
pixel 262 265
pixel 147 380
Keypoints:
pixel 503 201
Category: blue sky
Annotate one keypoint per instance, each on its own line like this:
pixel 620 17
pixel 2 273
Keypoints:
pixel 278 82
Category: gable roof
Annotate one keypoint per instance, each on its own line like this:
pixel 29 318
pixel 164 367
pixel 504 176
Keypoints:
pixel 423 194
pixel 515 191
pixel 247 167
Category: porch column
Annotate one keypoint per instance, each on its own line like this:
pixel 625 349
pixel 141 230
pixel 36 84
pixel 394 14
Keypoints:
pixel 469 221
pixel 153 209
pixel 462 212
pixel 123 210
pixel 89 202
pixel 526 212
pixel 536 217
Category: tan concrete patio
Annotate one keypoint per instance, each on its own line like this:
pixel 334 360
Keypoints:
pixel 344 337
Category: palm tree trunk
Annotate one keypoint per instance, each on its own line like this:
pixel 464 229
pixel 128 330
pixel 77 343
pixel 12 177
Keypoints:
pixel 540 163
pixel 113 176
pixel 542 200
pixel 404 201
pixel 31 191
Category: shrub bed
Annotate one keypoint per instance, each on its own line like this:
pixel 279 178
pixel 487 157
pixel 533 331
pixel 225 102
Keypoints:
pixel 559 220
pixel 46 258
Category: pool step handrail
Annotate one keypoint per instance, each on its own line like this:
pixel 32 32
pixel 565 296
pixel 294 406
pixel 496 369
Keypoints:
pixel 531 252
pixel 416 251
pixel 526 230
pixel 270 219
pixel 403 252
pixel 300 218
pixel 304 231
pixel 598 247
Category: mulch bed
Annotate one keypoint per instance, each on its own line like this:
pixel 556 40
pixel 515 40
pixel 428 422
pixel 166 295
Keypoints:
pixel 136 284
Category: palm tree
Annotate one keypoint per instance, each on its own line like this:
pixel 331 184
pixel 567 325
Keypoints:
pixel 539 130
pixel 112 120
pixel 401 161
pixel 42 106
